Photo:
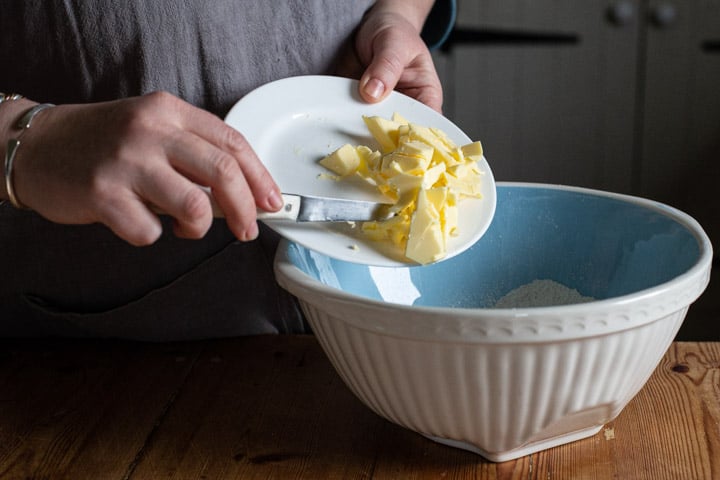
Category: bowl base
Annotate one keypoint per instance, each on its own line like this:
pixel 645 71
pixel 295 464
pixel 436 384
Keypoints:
pixel 526 449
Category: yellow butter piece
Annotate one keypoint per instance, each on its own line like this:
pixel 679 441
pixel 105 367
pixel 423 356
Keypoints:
pixel 328 176
pixel 446 203
pixel 426 241
pixel 449 221
pixel 432 175
pixel 400 162
pixel 368 157
pixel 384 131
pixel 343 161
pixel 417 149
pixel 463 187
pixel 394 229
pixel 405 191
pixel 472 149
pixel 437 197
pixel 441 151
pixel 424 173
pixel 396 117
pixel 442 136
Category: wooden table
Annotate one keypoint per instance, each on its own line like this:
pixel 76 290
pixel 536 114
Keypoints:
pixel 273 407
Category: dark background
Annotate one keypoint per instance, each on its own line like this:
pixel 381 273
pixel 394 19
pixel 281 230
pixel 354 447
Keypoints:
pixel 618 96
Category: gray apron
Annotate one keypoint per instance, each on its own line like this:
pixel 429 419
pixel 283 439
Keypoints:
pixel 82 281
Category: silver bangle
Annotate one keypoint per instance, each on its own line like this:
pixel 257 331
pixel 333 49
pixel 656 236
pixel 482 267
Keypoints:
pixel 12 147
pixel 7 97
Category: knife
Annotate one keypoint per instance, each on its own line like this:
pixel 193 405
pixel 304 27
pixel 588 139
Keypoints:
pixel 308 208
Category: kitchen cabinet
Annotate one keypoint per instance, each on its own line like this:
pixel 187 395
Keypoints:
pixel 679 145
pixel 549 91
pixel 621 96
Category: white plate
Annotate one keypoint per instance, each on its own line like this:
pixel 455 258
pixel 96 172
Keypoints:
pixel 295 122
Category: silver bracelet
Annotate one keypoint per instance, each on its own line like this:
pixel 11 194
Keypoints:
pixel 12 147
pixel 6 97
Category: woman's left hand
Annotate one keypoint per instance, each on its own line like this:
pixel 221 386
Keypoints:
pixel 394 56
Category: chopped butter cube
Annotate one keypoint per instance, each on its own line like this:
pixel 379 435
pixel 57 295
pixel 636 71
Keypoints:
pixel 368 159
pixel 417 149
pixel 394 229
pixel 449 221
pixel 441 151
pixel 432 175
pixel 472 149
pixel 426 241
pixel 467 186
pixel 405 200
pixel 396 117
pixel 384 131
pixel 442 136
pixel 343 161
pixel 424 173
pixel 437 197
pixel 409 164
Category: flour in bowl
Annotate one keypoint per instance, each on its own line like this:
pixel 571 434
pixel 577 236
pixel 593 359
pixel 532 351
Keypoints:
pixel 541 293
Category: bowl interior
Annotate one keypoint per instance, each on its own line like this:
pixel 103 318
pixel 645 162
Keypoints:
pixel 602 245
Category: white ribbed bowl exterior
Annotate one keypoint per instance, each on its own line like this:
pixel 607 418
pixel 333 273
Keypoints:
pixel 504 400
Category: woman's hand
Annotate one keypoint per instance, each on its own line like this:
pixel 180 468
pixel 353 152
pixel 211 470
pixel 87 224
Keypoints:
pixel 389 46
pixel 118 162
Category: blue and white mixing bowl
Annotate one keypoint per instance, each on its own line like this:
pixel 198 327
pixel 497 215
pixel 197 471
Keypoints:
pixel 425 347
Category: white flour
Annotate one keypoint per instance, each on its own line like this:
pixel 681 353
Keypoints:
pixel 541 293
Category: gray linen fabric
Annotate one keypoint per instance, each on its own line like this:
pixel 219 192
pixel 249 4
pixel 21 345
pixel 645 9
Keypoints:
pixel 81 280
pixel 210 53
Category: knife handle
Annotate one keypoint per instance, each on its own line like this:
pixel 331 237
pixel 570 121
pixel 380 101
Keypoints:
pixel 289 211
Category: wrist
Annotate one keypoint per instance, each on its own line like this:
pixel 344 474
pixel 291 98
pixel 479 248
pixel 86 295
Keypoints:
pixel 12 128
pixel 414 11
pixel 10 112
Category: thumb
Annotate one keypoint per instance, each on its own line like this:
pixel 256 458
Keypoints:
pixel 382 74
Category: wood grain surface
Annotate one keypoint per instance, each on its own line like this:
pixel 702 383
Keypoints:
pixel 273 407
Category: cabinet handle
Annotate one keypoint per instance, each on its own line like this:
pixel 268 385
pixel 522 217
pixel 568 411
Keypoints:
pixel 492 36
pixel 711 46
pixel 621 13
pixel 664 15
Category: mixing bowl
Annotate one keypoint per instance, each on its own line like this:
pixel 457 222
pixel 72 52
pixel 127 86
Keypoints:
pixel 425 347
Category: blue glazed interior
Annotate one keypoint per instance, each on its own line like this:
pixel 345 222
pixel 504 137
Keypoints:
pixel 601 246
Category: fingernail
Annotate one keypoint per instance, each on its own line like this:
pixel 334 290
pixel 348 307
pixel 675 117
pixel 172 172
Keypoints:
pixel 275 199
pixel 251 233
pixel 375 88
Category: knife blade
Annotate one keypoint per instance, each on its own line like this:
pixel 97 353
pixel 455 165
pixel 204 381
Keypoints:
pixel 308 208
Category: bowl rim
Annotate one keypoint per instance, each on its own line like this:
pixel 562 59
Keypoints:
pixel 595 317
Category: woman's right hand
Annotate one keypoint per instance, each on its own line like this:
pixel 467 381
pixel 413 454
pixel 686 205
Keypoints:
pixel 118 162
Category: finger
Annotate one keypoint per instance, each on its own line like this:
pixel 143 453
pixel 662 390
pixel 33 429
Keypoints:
pixel 432 97
pixel 175 195
pixel 209 127
pixel 418 80
pixel 131 220
pixel 410 70
pixel 205 164
pixel 384 71
pixel 424 85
